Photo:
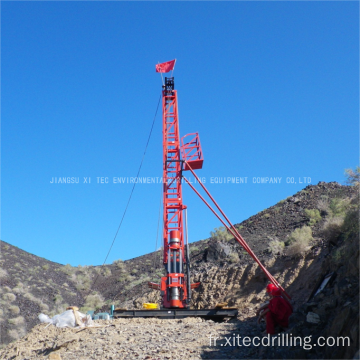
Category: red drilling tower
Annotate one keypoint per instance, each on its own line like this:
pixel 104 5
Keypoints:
pixel 175 286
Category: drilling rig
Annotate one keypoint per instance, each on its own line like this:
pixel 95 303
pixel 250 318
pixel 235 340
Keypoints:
pixel 175 287
pixel 179 155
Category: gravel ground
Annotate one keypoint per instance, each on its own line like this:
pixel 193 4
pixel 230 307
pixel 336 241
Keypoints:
pixel 136 339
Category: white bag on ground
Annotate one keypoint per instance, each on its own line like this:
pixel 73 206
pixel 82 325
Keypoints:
pixel 67 319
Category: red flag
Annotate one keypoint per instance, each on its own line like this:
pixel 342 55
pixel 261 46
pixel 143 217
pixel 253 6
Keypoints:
pixel 165 67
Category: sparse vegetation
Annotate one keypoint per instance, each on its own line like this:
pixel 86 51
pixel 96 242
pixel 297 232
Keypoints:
pixel 68 269
pixel 221 234
pixel 16 321
pixel 82 281
pixel 353 176
pixel 119 263
pixel 276 247
pixel 3 273
pixel 14 310
pixel 234 257
pixel 193 249
pixel 339 207
pixel 313 215
pixel 332 227
pixel 106 272
pixel 299 241
pixel 93 302
pixel 9 297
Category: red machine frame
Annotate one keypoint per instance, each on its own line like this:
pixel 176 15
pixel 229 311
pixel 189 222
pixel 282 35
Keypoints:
pixel 175 286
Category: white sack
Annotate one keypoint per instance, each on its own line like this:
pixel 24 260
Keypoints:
pixel 67 319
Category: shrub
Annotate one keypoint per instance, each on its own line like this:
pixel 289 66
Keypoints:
pixel 94 301
pixel 45 267
pixel 276 247
pixel 58 299
pixel 353 176
pixel 267 215
pixel 313 215
pixel 83 282
pixel 299 240
pixel 68 269
pixel 14 309
pixel 134 271
pixel 333 227
pixel 119 263
pixel 351 221
pixel 323 205
pixel 9 297
pixel 16 321
pixel 106 272
pixel 193 249
pixel 339 207
pixel 221 234
pixel 3 273
pixel 14 334
pixel 337 256
pixel 234 257
pixel 43 306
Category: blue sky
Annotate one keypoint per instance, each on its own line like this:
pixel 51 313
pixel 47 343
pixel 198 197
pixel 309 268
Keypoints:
pixel 271 87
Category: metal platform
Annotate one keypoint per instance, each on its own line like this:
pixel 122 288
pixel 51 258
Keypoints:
pixel 211 314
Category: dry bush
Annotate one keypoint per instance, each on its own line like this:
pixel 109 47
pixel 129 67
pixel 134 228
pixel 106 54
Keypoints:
pixel 333 227
pixel 299 241
pixel 14 334
pixel 58 299
pixel 83 282
pixel 276 247
pixel 17 321
pixel 93 302
pixel 3 273
pixel 234 257
pixel 221 234
pixel 68 269
pixel 31 297
pixel 324 205
pixel 119 263
pixel 9 297
pixel 106 272
pixel 353 176
pixel 14 310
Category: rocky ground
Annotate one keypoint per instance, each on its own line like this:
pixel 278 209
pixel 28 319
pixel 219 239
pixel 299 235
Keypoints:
pixel 137 339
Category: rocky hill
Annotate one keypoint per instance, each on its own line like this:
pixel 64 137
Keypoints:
pixel 300 240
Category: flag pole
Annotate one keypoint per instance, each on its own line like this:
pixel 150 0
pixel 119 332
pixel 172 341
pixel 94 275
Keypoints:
pixel 162 80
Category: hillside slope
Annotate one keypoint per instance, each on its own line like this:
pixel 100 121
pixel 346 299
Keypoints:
pixel 31 285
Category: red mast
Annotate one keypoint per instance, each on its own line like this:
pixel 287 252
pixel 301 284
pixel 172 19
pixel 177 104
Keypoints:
pixel 173 285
